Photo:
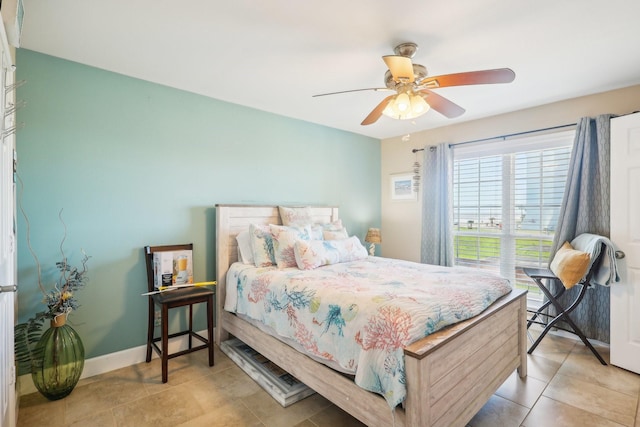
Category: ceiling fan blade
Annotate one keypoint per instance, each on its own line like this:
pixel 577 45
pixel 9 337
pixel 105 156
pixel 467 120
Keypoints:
pixel 441 104
pixel 377 112
pixel 499 75
pixel 377 89
pixel 400 66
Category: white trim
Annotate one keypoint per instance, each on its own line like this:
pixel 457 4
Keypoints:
pixel 122 359
pixel 566 334
pixel 6 52
pixel 110 362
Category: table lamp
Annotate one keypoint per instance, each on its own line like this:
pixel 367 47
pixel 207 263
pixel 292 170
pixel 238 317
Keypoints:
pixel 373 237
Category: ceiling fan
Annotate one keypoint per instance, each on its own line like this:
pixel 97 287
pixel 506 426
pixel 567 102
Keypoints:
pixel 414 95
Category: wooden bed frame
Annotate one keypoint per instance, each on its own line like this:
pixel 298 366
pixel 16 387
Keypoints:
pixel 450 374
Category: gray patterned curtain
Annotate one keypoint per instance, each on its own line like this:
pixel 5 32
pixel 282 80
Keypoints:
pixel 437 241
pixel 585 209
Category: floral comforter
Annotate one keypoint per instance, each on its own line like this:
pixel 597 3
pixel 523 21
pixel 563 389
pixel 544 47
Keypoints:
pixel 359 315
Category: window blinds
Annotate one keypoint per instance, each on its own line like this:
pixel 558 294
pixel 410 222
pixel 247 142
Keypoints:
pixel 506 201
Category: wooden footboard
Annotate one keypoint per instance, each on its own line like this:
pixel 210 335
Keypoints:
pixel 368 407
pixel 450 374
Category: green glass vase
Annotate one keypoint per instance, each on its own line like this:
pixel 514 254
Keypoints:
pixel 58 361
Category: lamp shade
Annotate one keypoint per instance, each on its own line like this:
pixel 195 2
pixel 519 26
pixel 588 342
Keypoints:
pixel 406 105
pixel 373 236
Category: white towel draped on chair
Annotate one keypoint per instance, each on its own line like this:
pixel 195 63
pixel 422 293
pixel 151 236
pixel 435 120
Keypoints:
pixel 607 272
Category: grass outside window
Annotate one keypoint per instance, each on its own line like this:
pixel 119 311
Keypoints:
pixel 484 252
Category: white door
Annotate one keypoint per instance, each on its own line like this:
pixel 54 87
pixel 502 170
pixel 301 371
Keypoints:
pixel 7 282
pixel 7 237
pixel 625 233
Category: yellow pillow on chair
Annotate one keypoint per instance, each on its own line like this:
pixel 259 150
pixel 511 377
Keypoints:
pixel 570 265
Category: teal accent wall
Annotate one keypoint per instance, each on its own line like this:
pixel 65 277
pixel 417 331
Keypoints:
pixel 133 163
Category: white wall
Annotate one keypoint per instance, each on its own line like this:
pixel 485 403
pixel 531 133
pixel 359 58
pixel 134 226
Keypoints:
pixel 401 223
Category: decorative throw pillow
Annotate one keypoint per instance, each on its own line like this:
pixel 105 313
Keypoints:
pixel 261 245
pixel 295 216
pixel 335 234
pixel 245 253
pixel 315 253
pixel 332 226
pixel 283 240
pixel 317 230
pixel 570 265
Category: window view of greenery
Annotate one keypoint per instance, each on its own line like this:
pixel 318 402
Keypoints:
pixel 505 211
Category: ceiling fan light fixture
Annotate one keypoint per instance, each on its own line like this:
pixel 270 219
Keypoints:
pixel 402 102
pixel 418 105
pixel 406 106
pixel 413 85
pixel 391 110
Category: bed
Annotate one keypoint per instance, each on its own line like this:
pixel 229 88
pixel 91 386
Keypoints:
pixel 450 374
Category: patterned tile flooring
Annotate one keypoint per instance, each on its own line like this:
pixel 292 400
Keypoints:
pixel 566 386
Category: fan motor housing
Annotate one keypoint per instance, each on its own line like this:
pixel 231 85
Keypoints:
pixel 419 73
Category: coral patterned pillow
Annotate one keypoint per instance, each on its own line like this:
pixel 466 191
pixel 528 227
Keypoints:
pixel 316 253
pixel 283 240
pixel 261 245
pixel 318 230
pixel 335 234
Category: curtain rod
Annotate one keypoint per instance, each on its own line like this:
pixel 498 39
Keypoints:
pixel 431 148
pixel 415 150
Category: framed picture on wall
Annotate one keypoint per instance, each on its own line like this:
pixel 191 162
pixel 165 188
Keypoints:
pixel 402 186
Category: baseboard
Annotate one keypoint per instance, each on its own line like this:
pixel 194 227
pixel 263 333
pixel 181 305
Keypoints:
pixel 122 359
pixel 110 362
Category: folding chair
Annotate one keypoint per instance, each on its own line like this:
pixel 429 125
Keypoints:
pixel 540 316
pixel 182 297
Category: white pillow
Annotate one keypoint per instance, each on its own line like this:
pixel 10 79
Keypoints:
pixel 315 253
pixel 245 254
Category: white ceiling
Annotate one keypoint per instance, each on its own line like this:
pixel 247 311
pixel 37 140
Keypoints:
pixel 274 55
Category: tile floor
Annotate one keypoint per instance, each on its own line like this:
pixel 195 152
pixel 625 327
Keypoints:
pixel 566 386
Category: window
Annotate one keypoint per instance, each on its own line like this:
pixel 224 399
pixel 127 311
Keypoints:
pixel 506 202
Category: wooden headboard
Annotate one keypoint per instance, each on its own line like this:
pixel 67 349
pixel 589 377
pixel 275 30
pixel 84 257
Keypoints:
pixel 231 220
